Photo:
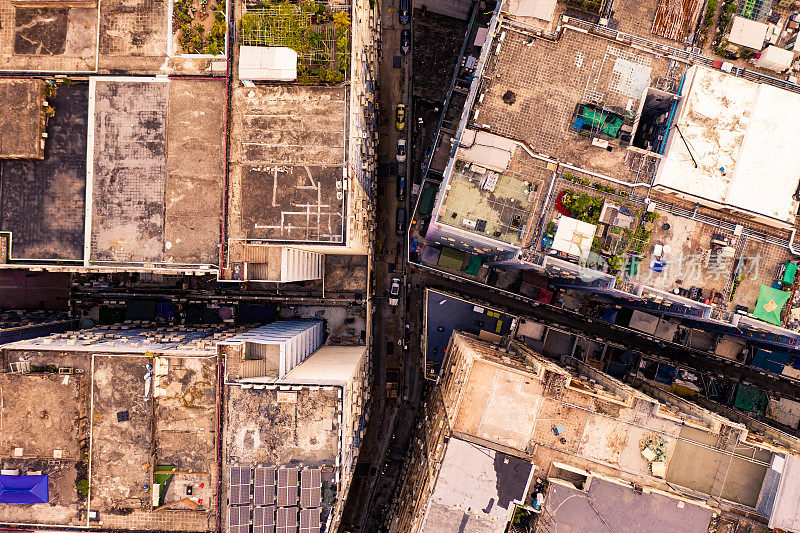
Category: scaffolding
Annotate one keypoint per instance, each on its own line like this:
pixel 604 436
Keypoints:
pixel 306 28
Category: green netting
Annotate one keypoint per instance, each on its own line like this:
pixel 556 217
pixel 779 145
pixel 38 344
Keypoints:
pixel 426 200
pixel 751 399
pixel 475 263
pixel 608 123
pixel 789 273
pixel 770 304
pixel 451 258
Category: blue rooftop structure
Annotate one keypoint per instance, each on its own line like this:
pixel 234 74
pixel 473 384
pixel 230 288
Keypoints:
pixel 24 489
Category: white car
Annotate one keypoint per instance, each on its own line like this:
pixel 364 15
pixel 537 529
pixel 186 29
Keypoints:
pixel 401 150
pixel 394 292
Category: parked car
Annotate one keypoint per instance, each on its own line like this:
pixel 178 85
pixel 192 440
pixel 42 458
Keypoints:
pixel 401 221
pixel 394 292
pixel 400 117
pixel 401 185
pixel 405 42
pixel 401 150
pixel 405 11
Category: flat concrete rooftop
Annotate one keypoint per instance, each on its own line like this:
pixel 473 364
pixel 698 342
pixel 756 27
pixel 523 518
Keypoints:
pixel 605 505
pixel 550 79
pixel 58 38
pixel 21 119
pixel 522 413
pixel 475 489
pixel 42 201
pixel 287 164
pixel 282 427
pixel 103 401
pixel 158 160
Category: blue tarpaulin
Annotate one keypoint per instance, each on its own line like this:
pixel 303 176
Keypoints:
pixel 770 360
pixel 24 489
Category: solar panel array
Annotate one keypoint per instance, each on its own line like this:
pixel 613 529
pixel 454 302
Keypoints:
pixel 239 485
pixel 239 519
pixel 310 487
pixel 286 521
pixel 287 487
pixel 264 519
pixel 264 486
pixel 309 520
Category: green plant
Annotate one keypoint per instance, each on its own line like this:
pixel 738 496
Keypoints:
pixel 711 10
pixel 83 486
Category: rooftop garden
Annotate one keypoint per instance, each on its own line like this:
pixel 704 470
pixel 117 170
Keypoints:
pixel 200 27
pixel 624 231
pixel 320 37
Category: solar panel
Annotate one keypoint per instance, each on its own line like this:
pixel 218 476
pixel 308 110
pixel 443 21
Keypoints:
pixel 264 519
pixel 286 520
pixel 287 487
pixel 309 520
pixel 238 519
pixel 239 485
pixel 264 486
pixel 310 487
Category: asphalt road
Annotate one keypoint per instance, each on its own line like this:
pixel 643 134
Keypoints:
pixel 394 400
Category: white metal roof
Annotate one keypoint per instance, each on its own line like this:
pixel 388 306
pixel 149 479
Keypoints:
pixel 273 63
pixel 743 141
pixel 749 33
pixel 775 58
pixel 574 237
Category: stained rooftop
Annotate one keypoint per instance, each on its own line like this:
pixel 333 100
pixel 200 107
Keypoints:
pixel 287 164
pixel 21 119
pixel 43 200
pixel 157 170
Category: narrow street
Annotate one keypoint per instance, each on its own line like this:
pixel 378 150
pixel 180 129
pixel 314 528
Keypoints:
pixel 396 351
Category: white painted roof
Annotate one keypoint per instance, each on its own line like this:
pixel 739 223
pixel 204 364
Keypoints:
pixel 540 9
pixel 743 127
pixel 273 63
pixel 749 33
pixel 574 237
pixel 486 149
pixel 775 58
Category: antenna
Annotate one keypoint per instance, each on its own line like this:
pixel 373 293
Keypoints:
pixel 687 146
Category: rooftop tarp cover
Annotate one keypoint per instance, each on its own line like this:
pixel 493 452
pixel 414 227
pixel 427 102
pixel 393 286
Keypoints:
pixel 770 304
pixel 451 258
pixel 24 489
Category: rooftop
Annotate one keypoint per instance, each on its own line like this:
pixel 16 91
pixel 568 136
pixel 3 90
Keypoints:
pixel 43 200
pixel 22 119
pixel 445 313
pixel 475 489
pixel 736 147
pixel 137 37
pixel 156 181
pixel 534 90
pixel 602 504
pixel 596 420
pixel 142 430
pixel 288 164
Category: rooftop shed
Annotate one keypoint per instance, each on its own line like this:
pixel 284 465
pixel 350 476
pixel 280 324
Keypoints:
pixel 775 58
pixel 749 33
pixel 267 63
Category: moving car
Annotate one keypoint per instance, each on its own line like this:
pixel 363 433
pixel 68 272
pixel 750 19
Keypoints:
pixel 401 221
pixel 405 11
pixel 401 150
pixel 405 42
pixel 394 291
pixel 400 117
